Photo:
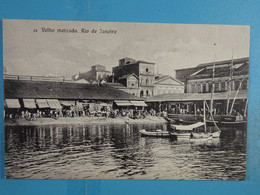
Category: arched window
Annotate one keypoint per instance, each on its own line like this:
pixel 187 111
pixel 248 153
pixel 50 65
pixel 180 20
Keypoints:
pixel 147 93
pixel 141 93
pixel 147 81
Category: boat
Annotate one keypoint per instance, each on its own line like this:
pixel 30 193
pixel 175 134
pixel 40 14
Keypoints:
pixel 229 119
pixel 157 133
pixel 201 136
pixel 196 131
pixel 170 120
pixel 185 131
pixel 215 134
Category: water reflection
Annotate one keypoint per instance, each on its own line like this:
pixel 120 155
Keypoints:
pixel 119 152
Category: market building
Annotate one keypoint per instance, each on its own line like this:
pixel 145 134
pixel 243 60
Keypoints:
pixel 230 91
pixel 199 78
pixel 44 96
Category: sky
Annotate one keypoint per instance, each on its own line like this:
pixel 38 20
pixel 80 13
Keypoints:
pixel 169 46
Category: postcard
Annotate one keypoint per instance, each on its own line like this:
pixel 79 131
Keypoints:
pixel 111 100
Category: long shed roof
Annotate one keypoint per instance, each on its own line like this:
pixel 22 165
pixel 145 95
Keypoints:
pixel 62 90
pixel 179 97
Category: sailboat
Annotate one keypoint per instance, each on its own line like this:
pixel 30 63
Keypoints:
pixel 192 132
pixel 227 119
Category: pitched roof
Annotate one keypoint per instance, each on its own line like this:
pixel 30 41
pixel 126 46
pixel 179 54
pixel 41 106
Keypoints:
pixel 14 89
pixel 127 75
pixel 217 63
pixel 116 85
pixel 145 62
pixel 242 94
pixel 98 65
pixel 133 61
pixel 221 71
pixel 160 78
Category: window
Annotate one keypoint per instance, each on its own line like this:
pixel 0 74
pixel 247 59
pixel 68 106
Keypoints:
pixel 147 93
pixel 147 70
pixel 210 87
pixel 216 87
pixel 223 86
pixel 141 93
pixel 147 81
pixel 204 88
pixel 237 83
pixel 192 88
pixel 244 84
pixel 199 87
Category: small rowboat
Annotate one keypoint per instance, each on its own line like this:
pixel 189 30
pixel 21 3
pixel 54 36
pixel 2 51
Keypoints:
pixel 157 133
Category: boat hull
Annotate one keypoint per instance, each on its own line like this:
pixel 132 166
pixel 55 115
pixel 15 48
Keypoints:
pixel 155 133
pixel 231 124
pixel 181 136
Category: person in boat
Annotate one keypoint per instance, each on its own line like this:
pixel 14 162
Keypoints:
pixel 239 117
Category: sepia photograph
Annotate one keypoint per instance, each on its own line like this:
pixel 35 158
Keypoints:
pixel 117 100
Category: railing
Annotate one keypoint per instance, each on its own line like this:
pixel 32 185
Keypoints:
pixel 37 78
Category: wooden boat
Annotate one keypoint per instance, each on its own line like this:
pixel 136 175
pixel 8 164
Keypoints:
pixel 228 121
pixel 200 137
pixel 185 131
pixel 157 133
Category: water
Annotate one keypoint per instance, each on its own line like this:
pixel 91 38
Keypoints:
pixel 119 152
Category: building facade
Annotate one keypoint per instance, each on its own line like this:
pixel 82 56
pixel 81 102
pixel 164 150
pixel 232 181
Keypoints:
pixel 165 84
pixel 142 69
pixel 131 83
pixel 96 74
pixel 228 75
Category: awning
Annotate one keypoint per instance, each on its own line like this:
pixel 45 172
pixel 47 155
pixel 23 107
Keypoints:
pixel 67 103
pixel 42 103
pixel 122 103
pixel 29 103
pixel 187 103
pixel 12 103
pixel 188 127
pixel 138 103
pixel 54 103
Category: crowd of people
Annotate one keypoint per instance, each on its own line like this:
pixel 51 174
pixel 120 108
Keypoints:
pixel 107 112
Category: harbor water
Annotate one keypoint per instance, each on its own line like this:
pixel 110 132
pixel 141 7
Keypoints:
pixel 119 152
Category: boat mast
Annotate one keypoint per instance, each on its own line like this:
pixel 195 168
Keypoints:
pixel 204 115
pixel 213 84
pixel 233 102
pixel 245 108
pixel 229 82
